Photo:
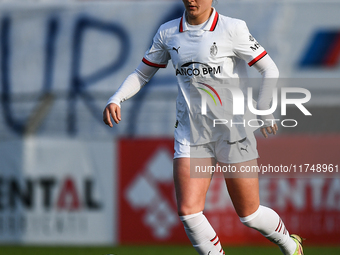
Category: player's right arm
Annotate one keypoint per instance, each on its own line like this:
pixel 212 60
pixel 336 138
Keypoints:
pixel 156 57
pixel 132 84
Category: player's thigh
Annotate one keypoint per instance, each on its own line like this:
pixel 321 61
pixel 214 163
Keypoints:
pixel 244 189
pixel 190 190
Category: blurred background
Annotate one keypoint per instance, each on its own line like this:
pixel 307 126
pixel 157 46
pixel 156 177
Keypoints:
pixel 67 179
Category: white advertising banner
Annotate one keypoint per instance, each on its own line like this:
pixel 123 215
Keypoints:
pixel 57 191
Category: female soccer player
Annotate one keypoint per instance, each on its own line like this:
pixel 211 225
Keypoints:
pixel 205 47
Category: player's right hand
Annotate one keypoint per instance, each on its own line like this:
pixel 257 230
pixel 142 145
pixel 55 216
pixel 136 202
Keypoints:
pixel 111 110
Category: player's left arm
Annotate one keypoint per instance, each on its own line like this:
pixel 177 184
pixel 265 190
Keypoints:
pixel 270 75
pixel 247 48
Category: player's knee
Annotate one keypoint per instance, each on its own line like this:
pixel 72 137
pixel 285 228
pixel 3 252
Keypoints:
pixel 186 210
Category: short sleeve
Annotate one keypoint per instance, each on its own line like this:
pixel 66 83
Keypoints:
pixel 157 55
pixel 245 45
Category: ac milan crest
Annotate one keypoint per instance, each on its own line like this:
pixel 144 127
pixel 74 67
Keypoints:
pixel 213 50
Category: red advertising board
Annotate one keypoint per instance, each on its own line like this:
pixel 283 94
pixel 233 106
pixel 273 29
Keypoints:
pixel 309 206
pixel 147 207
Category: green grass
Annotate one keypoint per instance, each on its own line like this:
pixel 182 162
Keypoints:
pixel 152 250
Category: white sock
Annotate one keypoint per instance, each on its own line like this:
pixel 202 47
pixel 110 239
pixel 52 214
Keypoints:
pixel 201 234
pixel 269 224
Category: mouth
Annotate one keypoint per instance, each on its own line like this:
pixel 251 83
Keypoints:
pixel 191 7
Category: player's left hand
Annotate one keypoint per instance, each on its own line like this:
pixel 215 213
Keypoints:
pixel 271 130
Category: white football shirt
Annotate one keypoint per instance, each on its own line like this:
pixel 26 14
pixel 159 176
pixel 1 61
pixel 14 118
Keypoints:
pixel 218 51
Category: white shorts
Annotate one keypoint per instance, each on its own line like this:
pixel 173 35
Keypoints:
pixel 223 151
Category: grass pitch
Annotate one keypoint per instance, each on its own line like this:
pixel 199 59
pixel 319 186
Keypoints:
pixel 153 250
